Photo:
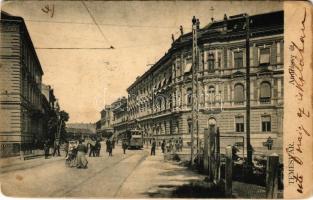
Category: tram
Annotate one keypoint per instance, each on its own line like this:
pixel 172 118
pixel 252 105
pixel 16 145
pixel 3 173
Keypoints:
pixel 134 139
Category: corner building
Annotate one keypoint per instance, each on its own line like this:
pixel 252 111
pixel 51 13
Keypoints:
pixel 21 109
pixel 160 100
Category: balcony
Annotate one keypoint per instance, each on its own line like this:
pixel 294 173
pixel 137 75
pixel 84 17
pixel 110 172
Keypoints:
pixel 265 100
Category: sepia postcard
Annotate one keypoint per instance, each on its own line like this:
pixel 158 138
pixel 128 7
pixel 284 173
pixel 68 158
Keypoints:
pixel 156 99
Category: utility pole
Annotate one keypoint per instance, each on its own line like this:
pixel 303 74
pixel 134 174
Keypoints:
pixel 249 148
pixel 195 107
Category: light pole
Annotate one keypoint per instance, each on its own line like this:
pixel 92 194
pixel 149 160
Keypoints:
pixel 195 106
pixel 249 148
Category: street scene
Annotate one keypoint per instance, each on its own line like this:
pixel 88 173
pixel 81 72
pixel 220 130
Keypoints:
pixel 134 99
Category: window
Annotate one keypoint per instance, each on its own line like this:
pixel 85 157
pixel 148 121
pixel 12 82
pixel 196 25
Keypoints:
pixel 238 58
pixel 189 126
pixel 189 96
pixel 266 123
pixel 211 62
pixel 239 124
pixel 264 55
pixel 265 93
pixel 188 66
pixel 219 59
pixel 211 92
pixel 239 93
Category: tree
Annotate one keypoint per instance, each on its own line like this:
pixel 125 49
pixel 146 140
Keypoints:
pixel 64 117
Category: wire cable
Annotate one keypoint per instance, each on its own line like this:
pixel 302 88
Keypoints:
pixel 94 20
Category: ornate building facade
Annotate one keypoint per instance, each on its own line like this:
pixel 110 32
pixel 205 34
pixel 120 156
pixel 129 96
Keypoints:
pixel 106 121
pixel 159 101
pixel 120 116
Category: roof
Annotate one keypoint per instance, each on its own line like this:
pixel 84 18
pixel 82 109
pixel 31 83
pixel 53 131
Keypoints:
pixel 260 24
pixel 16 19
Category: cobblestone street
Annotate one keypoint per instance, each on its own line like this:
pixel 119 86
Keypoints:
pixel 136 174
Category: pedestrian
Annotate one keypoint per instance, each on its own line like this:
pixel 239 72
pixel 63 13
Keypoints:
pixel 46 149
pixel 269 143
pixel 113 143
pixel 110 145
pixel 81 155
pixel 107 145
pixel 56 148
pixel 92 148
pixel 180 144
pixel 171 146
pixel 124 146
pixel 176 146
pixel 71 160
pixel 97 148
pixel 153 147
pixel 66 146
pixel 163 146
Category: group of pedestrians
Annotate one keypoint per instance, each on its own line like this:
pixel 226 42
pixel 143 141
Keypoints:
pixel 95 148
pixel 171 146
pixel 76 156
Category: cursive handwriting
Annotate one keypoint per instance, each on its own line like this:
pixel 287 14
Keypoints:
pixel 297 61
pixel 296 72
pixel 48 9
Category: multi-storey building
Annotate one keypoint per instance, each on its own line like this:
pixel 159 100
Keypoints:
pixel 20 87
pixel 106 121
pixel 160 100
pixel 119 109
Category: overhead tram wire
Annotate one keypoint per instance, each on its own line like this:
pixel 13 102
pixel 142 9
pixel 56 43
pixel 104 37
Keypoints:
pixel 104 24
pixel 76 48
pixel 94 20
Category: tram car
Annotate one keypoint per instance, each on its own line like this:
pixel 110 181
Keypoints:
pixel 133 138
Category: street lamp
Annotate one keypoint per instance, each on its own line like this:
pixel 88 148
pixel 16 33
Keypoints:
pixel 249 148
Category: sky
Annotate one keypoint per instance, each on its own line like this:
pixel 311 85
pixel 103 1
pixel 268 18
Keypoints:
pixel 85 80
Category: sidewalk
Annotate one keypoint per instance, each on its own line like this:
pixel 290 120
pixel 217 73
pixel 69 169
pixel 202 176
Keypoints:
pixel 155 177
pixel 15 163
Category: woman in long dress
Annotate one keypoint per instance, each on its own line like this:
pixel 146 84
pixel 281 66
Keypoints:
pixel 81 155
pixel 72 153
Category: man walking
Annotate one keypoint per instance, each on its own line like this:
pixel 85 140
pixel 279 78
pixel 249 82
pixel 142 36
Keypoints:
pixel 153 147
pixel 163 146
pixel 56 148
pixel 98 148
pixel 110 146
pixel 107 144
pixel 124 146
pixel 92 148
pixel 269 143
pixel 66 148
pixel 46 149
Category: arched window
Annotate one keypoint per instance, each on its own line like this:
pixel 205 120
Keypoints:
pixel 189 96
pixel 211 93
pixel 211 62
pixel 265 92
pixel 239 94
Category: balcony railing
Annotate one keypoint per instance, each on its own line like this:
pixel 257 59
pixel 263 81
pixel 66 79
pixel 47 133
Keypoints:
pixel 265 100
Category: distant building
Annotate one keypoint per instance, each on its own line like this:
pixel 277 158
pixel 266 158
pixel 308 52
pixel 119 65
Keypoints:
pixel 98 127
pixel 90 126
pixel 120 115
pixel 20 88
pixel 106 121
pixel 81 129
